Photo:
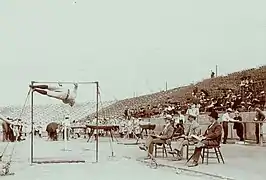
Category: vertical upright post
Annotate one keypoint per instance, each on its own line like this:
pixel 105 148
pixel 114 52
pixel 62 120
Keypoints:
pixel 32 121
pixel 260 134
pixel 216 70
pixel 97 121
pixel 65 134
pixel 166 86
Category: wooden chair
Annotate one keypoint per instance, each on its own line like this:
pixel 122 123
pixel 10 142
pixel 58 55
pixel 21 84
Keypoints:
pixel 189 148
pixel 217 152
pixel 163 147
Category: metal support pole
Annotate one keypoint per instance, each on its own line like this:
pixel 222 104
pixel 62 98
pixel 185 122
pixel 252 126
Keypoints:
pixel 31 142
pixel 216 70
pixel 97 121
pixel 64 82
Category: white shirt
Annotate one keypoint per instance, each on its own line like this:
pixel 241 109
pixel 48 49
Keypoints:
pixel 181 117
pixel 67 122
pixel 226 117
pixel 193 111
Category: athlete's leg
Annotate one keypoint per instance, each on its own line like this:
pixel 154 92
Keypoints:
pixel 55 88
pixel 52 94
pixel 39 86
pixel 73 93
pixel 48 87
pixel 72 96
pixel 58 95
pixel 41 91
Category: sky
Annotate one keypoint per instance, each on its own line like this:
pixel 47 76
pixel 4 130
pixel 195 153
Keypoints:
pixel 130 47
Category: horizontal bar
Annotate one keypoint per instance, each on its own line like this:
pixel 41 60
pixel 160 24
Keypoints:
pixel 64 82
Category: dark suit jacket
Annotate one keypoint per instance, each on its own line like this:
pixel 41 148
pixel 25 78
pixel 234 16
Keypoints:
pixel 168 132
pixel 213 135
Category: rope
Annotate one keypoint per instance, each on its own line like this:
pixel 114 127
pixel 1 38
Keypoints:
pixel 4 151
pixel 23 108
pixel 100 97
pixel 12 152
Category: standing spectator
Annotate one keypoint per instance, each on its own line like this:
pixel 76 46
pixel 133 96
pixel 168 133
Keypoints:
pixel 127 113
pixel 182 117
pixel 260 116
pixel 212 74
pixel 238 126
pixel 193 110
pixel 242 84
pixel 225 120
pixel 197 110
pixel 236 101
pixel 194 92
pixel 250 83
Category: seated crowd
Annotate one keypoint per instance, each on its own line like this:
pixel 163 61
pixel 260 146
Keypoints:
pixel 244 98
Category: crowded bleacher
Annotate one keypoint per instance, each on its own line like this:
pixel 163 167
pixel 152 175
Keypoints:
pixel 239 91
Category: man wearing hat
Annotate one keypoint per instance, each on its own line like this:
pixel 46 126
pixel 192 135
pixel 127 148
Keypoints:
pixel 225 120
pixel 167 133
pixel 211 137
pixel 192 129
pixel 238 126
pixel 260 116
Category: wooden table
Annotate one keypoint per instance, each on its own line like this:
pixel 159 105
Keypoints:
pixel 73 128
pixel 146 128
pixel 108 128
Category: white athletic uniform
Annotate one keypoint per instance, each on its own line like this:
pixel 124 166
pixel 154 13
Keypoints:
pixel 66 95
pixel 66 122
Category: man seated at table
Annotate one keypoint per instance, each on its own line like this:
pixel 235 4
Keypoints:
pixel 211 137
pixel 167 133
pixel 193 128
